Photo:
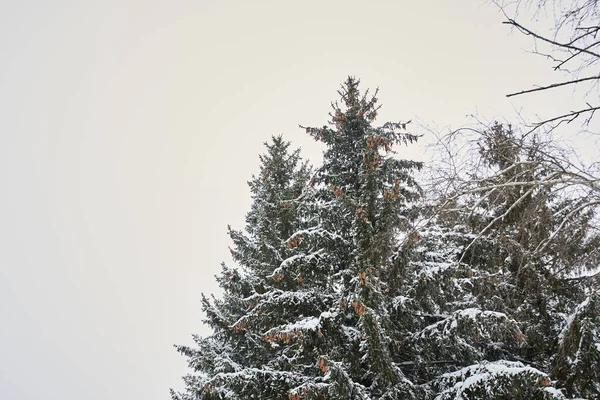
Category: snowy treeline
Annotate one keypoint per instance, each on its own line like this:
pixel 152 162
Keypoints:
pixel 355 281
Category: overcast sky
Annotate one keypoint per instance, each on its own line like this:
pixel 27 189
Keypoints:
pixel 128 130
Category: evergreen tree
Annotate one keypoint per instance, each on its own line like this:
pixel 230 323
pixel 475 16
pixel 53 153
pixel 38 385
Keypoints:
pixel 338 295
pixel 362 200
pixel 506 309
pixel 273 215
pixel 234 362
pixel 308 316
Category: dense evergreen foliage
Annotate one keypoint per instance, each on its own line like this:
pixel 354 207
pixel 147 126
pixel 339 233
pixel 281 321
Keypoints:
pixel 339 294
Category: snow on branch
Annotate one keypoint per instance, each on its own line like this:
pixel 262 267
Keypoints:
pixel 466 335
pixel 496 379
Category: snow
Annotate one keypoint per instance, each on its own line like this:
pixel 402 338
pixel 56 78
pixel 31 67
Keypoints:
pixel 304 324
pixel 310 323
pixel 485 374
pixel 450 323
pixel 317 230
pixel 290 260
pixel 400 300
pixel 578 310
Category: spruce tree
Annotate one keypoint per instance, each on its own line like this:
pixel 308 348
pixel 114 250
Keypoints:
pixel 362 198
pixel 234 362
pixel 307 316
pixel 338 295
pixel 504 316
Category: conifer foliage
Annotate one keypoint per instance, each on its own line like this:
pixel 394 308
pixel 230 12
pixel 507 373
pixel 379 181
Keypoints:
pixel 522 223
pixel 337 294
pixel 305 315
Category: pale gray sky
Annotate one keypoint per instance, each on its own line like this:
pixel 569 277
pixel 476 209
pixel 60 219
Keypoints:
pixel 129 128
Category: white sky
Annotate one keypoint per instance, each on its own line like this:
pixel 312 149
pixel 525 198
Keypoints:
pixel 128 130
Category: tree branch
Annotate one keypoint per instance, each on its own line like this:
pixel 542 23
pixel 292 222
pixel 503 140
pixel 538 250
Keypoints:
pixel 573 56
pixel 535 35
pixel 554 85
pixel 571 116
pixel 501 217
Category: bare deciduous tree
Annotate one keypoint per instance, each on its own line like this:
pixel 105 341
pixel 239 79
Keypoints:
pixel 571 43
pixel 524 189
pixel 531 212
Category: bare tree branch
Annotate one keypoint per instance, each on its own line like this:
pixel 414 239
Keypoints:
pixel 568 117
pixel 537 36
pixel 554 85
pixel 504 185
pixel 573 56
pixel 571 43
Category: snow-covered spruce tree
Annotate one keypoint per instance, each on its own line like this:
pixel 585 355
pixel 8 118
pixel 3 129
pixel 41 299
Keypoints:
pixel 307 317
pixel 273 215
pixel 492 283
pixel 235 361
pixel 359 201
pixel 543 224
pixel 462 341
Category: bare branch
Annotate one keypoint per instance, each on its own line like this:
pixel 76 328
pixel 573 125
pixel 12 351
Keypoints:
pixel 542 246
pixel 554 85
pixel 491 224
pixel 509 185
pixel 542 38
pixel 573 56
pixel 568 117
